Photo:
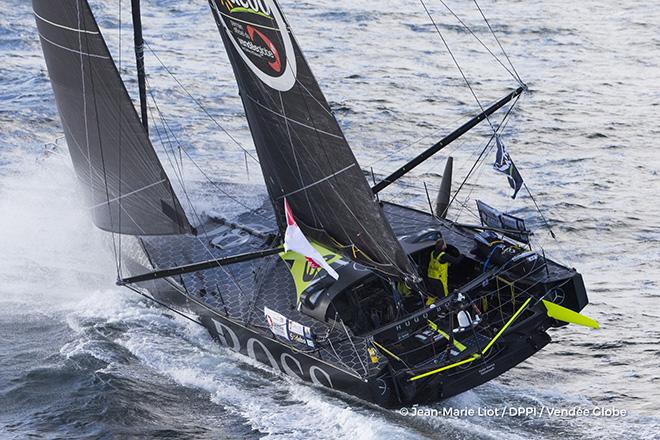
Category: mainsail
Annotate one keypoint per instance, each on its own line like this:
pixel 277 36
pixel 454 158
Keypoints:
pixel 302 150
pixel 128 189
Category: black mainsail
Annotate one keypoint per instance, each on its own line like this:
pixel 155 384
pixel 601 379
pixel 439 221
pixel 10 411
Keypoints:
pixel 303 153
pixel 129 192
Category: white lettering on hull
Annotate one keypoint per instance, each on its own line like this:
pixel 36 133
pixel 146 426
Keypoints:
pixel 312 372
pixel 222 329
pixel 287 369
pixel 287 361
pixel 271 358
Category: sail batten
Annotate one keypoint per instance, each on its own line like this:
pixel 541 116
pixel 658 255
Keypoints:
pixel 303 153
pixel 128 190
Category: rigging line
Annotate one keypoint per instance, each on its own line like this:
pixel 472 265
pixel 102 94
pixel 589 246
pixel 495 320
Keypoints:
pixel 131 219
pixel 498 41
pixel 160 303
pixel 178 174
pixel 383 251
pixel 86 123
pixel 464 205
pixel 119 132
pixel 458 66
pixel 174 164
pixel 421 169
pixel 198 218
pixel 82 25
pixel 199 104
pixel 327 109
pixel 177 170
pixel 329 339
pixel 317 165
pixel 295 159
pixel 354 349
pixel 181 148
pixel 547 225
pixel 505 122
pixel 495 131
pixel 288 131
pixel 324 150
pixel 514 76
pixel 415 142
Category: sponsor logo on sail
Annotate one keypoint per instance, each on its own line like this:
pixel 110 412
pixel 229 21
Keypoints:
pixel 259 34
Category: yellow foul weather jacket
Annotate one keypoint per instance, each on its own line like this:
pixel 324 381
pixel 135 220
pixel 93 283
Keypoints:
pixel 438 270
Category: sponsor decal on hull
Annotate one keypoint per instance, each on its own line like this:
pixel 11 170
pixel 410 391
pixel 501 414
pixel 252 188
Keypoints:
pixel 259 34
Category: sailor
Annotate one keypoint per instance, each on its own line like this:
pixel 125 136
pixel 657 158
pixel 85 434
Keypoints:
pixel 438 271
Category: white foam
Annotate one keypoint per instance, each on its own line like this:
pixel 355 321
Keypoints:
pixel 51 254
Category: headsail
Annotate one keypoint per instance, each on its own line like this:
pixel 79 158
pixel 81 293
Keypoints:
pixel 128 189
pixel 303 153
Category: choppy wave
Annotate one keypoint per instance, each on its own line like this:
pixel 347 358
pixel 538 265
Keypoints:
pixel 80 358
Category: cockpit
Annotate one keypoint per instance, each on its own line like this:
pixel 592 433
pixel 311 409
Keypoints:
pixel 365 301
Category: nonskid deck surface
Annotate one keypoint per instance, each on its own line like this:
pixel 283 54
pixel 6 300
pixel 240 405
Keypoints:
pixel 241 291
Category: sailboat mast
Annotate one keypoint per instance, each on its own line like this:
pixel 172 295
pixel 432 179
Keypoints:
pixel 139 60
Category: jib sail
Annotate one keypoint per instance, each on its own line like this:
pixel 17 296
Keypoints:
pixel 303 153
pixel 128 189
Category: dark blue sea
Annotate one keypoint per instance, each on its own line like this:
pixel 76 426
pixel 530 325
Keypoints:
pixel 82 358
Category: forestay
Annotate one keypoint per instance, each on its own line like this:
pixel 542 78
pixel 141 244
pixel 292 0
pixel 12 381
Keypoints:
pixel 125 185
pixel 303 153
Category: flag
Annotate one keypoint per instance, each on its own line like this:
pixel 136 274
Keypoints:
pixel 504 164
pixel 294 240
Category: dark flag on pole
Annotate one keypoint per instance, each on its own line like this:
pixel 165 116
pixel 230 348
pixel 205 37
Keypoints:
pixel 504 164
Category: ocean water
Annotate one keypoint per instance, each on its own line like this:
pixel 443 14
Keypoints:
pixel 81 358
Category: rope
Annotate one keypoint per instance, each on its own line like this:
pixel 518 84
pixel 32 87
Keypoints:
pixel 119 132
pixel 494 309
pixel 82 25
pixel 515 76
pixel 498 42
pixel 167 128
pixel 194 212
pixel 151 298
pixel 495 132
pixel 545 221
pixel 199 104
pixel 458 66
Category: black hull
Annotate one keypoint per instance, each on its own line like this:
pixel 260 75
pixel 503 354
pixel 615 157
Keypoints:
pixel 383 390
pixel 233 315
pixel 280 357
pixel 516 349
